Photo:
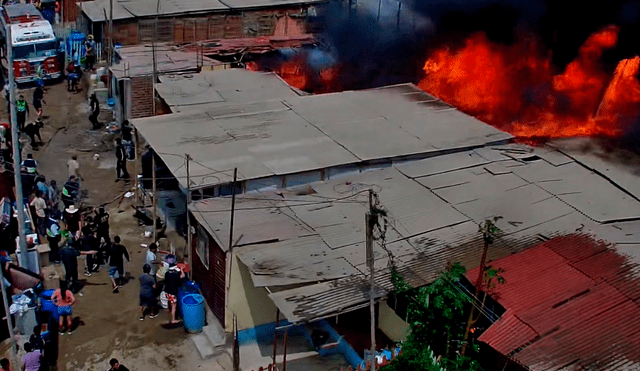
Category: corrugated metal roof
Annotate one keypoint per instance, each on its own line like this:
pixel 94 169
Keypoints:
pixel 569 303
pixel 434 207
pixel 282 133
pixel 97 10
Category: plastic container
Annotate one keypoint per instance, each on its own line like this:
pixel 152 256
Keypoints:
pixel 46 304
pixel 188 287
pixel 193 310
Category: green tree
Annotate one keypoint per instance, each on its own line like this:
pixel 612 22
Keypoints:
pixel 436 315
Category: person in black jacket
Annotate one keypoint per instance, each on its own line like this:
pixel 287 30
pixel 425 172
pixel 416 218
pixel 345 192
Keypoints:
pixel 95 111
pixel 121 161
pixel 33 130
pixel 38 99
pixel 116 263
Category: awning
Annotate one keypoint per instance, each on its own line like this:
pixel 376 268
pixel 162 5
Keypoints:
pixel 326 299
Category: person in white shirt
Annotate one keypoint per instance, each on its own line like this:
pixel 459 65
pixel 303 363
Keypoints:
pixel 74 167
pixel 40 205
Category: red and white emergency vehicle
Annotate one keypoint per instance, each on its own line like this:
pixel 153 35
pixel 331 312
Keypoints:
pixel 36 49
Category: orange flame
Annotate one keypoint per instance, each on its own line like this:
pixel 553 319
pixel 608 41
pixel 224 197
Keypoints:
pixel 512 87
pixel 294 73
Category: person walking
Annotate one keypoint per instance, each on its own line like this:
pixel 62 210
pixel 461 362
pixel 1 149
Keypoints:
pixel 53 237
pixel 121 161
pixel 127 139
pixel 116 366
pixel 38 99
pixel 147 297
pixel 32 359
pixel 64 299
pixel 40 206
pixel 116 263
pixel 74 167
pixel 95 111
pixel 102 220
pixel 171 283
pixel 33 130
pixel 90 243
pixel 70 191
pixel 22 111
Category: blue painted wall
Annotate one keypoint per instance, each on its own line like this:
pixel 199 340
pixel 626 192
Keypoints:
pixel 264 334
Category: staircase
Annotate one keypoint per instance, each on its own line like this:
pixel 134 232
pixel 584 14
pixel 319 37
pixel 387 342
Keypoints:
pixel 212 340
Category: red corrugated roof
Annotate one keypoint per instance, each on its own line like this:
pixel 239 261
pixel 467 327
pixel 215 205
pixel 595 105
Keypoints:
pixel 570 305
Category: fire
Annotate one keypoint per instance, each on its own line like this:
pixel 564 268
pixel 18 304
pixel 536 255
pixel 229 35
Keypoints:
pixel 297 73
pixel 294 73
pixel 514 88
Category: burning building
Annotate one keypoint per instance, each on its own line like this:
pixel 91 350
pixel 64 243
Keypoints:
pixel 516 82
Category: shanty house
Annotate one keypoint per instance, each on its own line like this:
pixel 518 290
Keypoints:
pixel 144 21
pixel 304 161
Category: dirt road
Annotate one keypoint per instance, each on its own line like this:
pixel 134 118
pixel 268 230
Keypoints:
pixel 111 320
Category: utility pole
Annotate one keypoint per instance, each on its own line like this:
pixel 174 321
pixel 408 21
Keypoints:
pixel 111 43
pixel 15 145
pixel 370 222
pixel 187 249
pixel 14 347
pixel 155 196
pixel 229 260
pixel 155 63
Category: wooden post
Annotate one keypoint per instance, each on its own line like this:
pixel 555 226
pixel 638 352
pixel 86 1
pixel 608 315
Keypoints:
pixel 135 154
pixel 14 347
pixel 187 249
pixel 275 336
pixel 155 198
pixel 370 262
pixel 236 345
pixel 284 350
pixel 229 260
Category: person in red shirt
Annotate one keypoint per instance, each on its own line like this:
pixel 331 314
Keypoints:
pixel 64 299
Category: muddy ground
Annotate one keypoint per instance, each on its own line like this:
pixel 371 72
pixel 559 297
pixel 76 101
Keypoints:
pixel 111 325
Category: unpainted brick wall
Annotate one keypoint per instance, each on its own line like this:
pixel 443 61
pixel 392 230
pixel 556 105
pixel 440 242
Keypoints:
pixel 141 96
pixel 125 33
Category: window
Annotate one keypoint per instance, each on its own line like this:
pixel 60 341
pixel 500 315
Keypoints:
pixel 23 51
pixel 202 246
pixel 46 49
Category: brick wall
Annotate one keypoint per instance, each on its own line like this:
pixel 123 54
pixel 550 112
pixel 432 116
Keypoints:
pixel 141 96
pixel 125 33
pixel 228 25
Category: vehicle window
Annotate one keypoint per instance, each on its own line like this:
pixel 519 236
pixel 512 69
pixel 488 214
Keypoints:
pixel 23 52
pixel 46 49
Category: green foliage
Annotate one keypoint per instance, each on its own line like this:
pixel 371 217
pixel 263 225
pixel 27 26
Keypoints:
pixel 436 316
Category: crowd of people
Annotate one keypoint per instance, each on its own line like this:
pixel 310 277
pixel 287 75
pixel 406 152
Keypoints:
pixel 72 230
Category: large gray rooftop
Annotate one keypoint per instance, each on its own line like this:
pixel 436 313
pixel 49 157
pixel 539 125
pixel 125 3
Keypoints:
pixel 316 238
pixel 98 10
pixel 255 122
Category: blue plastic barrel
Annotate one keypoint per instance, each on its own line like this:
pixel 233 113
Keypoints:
pixel 188 287
pixel 193 312
pixel 47 304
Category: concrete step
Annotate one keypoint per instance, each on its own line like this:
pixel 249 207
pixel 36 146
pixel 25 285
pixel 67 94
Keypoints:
pixel 212 340
pixel 203 345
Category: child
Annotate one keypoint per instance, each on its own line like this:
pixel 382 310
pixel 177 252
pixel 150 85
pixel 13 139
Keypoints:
pixel 64 299
pixel 147 297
